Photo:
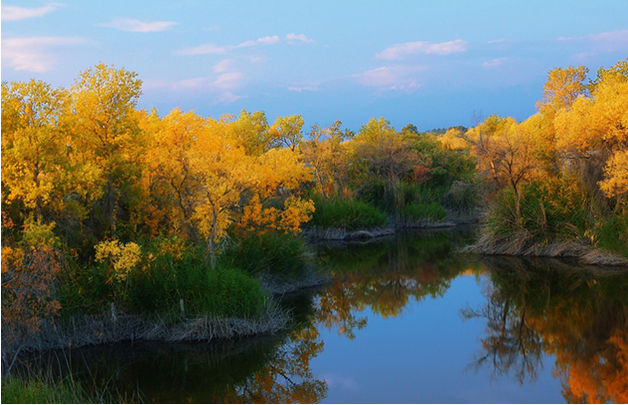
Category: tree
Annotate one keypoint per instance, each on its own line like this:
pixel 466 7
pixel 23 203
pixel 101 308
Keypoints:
pixel 324 152
pixel 387 154
pixel 286 131
pixel 34 148
pixel 104 100
pixel 504 151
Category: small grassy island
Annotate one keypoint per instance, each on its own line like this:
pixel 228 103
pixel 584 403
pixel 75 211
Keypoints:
pixel 121 224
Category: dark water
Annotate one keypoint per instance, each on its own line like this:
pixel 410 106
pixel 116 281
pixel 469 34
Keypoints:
pixel 407 320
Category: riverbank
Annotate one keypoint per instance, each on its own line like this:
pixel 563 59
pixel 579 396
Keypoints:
pixel 520 244
pixel 453 219
pixel 114 326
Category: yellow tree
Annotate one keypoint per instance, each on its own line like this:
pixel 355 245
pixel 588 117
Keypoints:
pixel 386 153
pixel 103 101
pixel 253 132
pixel 287 131
pixel 504 152
pixel 595 129
pixel 39 167
pixel 170 180
pixel 325 154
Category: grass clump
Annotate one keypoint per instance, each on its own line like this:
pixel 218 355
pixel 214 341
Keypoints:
pixel 18 391
pixel 170 270
pixel 612 234
pixel 348 214
pixel 275 253
pixel 418 212
pixel 38 389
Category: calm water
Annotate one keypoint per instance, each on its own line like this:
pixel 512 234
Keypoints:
pixel 406 320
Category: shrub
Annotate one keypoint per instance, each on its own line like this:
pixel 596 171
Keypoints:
pixel 553 209
pixel 276 253
pixel 612 234
pixel 170 271
pixel 417 212
pixel 348 214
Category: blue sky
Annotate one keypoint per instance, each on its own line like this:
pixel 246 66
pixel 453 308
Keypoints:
pixel 430 63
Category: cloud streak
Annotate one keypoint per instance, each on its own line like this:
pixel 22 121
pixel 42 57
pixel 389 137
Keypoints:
pixel 33 53
pixel 209 48
pixel 300 38
pixel 390 78
pixel 130 25
pixel 270 40
pixel 16 13
pixel 401 51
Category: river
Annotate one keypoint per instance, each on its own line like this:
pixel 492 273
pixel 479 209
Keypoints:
pixel 406 319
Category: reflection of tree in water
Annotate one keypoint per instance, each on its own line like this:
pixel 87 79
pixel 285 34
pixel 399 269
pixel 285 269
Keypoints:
pixel 265 369
pixel 578 314
pixel 287 378
pixel 385 275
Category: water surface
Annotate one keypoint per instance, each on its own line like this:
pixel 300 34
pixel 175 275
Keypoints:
pixel 406 320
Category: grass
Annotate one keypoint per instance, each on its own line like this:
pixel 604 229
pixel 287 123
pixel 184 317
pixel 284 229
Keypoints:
pixel 45 390
pixel 347 214
pixel 418 212
pixel 169 273
pixel 278 254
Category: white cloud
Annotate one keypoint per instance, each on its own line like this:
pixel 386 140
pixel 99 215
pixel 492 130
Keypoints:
pixel 228 98
pixel 399 51
pixel 217 88
pixel 494 63
pixel 260 41
pixel 206 49
pixel 33 53
pixel 611 41
pixel 228 80
pixel 294 38
pixel 16 13
pixel 303 88
pixel 224 65
pixel 127 24
pixel 390 78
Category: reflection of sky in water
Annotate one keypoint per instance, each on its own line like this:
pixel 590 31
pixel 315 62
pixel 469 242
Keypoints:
pixel 423 351
pixel 422 356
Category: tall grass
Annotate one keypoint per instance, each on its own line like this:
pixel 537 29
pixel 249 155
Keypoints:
pixel 47 390
pixel 171 274
pixel 348 214
pixel 275 253
pixel 417 212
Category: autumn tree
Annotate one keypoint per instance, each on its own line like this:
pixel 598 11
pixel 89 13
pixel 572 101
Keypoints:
pixel 287 131
pixel 33 145
pixel 103 101
pixel 326 154
pixel 504 152
pixel 386 153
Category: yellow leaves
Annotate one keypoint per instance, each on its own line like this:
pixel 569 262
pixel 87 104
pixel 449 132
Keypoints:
pixel 615 181
pixel 36 234
pixel 453 140
pixel 123 257
pixel 297 211
pixel 563 86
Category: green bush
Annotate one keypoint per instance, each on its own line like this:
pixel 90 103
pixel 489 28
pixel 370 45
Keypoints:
pixel 612 234
pixel 275 253
pixel 551 210
pixel 417 212
pixel 351 215
pixel 170 271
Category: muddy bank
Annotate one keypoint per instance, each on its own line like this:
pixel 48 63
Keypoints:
pixel 519 244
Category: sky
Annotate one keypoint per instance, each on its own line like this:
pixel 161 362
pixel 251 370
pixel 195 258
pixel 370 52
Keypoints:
pixel 433 63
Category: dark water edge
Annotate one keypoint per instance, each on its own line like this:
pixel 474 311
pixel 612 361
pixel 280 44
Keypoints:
pixel 406 319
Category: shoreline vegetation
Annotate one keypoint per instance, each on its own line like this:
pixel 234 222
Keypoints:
pixel 127 224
